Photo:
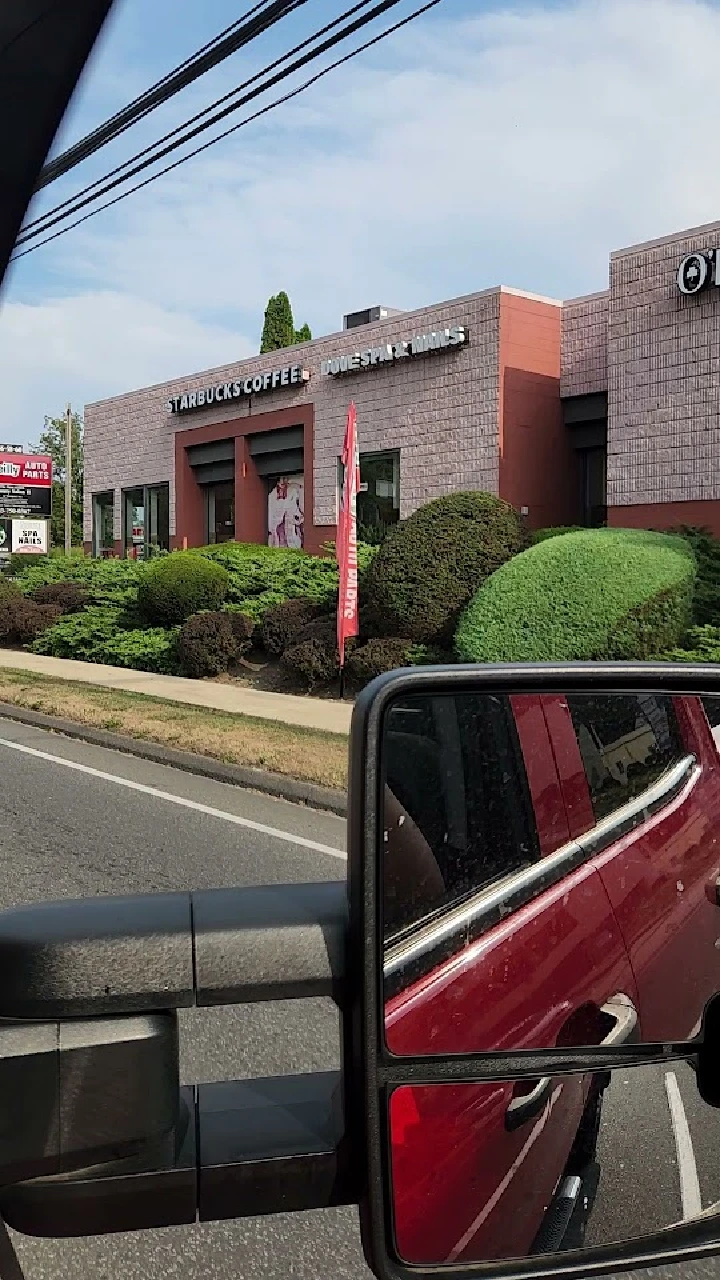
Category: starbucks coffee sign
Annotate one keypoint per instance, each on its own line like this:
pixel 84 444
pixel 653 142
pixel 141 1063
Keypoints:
pixel 392 352
pixel 224 392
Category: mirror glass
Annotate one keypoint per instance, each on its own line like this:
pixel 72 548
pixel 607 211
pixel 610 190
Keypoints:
pixel 509 1169
pixel 549 869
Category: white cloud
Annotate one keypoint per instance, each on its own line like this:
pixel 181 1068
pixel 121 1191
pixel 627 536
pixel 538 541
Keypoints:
pixel 516 147
pixel 91 345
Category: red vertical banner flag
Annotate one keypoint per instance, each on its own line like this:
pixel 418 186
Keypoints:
pixel 348 622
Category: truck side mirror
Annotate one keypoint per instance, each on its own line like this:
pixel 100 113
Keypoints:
pixel 530 855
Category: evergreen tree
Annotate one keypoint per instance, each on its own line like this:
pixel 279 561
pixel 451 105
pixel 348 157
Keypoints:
pixel 52 441
pixel 279 328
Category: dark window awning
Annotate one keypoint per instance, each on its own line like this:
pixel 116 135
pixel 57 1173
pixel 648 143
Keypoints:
pixel 277 453
pixel 213 463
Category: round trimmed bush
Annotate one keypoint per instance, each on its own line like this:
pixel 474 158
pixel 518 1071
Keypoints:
pixel 22 620
pixel 243 629
pixel 173 588
pixel 602 594
pixel 70 597
pixel 375 657
pixel 431 564
pixel 206 644
pixel 283 623
pixel 313 655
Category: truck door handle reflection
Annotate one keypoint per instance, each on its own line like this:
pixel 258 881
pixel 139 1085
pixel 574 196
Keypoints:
pixel 527 1105
pixel 623 1013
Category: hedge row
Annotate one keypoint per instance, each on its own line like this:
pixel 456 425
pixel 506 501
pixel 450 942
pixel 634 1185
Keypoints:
pixel 597 594
pixel 459 571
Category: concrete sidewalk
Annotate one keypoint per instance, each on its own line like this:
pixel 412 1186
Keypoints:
pixel 309 713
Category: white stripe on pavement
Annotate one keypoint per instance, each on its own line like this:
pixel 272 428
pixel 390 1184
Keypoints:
pixel 260 827
pixel 689 1183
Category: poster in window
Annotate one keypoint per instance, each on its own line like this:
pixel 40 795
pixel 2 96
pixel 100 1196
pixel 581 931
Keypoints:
pixel 286 512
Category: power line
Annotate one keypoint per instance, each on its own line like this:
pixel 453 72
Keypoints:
pixel 294 93
pixel 46 220
pixel 234 37
pixel 54 216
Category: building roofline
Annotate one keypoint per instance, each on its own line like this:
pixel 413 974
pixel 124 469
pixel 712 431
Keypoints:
pixel 388 322
pixel 587 297
pixel 704 229
pixel 532 297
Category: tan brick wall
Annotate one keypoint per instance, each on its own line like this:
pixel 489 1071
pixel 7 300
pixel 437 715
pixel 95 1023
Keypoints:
pixel 441 411
pixel 663 377
pixel 583 368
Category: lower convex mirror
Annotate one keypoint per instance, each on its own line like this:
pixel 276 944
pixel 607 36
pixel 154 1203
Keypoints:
pixel 516 1169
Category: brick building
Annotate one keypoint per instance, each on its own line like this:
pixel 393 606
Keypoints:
pixel 605 407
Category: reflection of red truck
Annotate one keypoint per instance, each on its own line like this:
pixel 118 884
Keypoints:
pixel 479 1170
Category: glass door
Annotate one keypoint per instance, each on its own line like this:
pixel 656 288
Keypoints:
pixel 158 518
pixel 134 524
pixel 220 512
pixel 595 487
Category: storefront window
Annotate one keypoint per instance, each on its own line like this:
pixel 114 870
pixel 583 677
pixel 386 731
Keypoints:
pixel 286 511
pixel 378 503
pixel 146 521
pixel 103 519
pixel 220 511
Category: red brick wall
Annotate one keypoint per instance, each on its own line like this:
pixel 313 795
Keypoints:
pixel 667 515
pixel 538 467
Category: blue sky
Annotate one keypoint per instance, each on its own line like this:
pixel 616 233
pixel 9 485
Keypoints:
pixel 488 143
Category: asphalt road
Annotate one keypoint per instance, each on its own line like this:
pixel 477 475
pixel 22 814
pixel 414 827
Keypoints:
pixel 69 832
pixel 658 1154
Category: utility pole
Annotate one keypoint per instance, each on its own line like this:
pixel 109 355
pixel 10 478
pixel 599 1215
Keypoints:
pixel 68 480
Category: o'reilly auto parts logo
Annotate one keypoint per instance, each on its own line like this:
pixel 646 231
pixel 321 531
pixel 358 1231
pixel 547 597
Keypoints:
pixel 698 271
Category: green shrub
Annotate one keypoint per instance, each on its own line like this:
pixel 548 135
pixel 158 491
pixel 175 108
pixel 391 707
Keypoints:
pixel 599 594
pixel 98 635
pixel 23 620
pixel 431 564
pixel 86 636
pixel 206 644
pixel 254 570
pixel 430 655
pixel 701 644
pixel 313 656
pixel 540 535
pixel 111 581
pixel 174 587
pixel 255 607
pixel 375 657
pixel 145 649
pixel 283 623
pixel 70 597
pixel 706 549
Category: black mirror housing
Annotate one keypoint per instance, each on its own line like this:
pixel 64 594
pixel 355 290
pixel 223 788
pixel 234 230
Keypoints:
pixel 86 1092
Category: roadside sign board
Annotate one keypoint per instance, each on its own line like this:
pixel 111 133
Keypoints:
pixel 25 485
pixel 29 537
pixel 5 537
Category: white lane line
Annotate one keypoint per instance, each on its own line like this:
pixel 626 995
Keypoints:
pixel 260 827
pixel 687 1169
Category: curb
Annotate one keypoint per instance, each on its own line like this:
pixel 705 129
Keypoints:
pixel 271 784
